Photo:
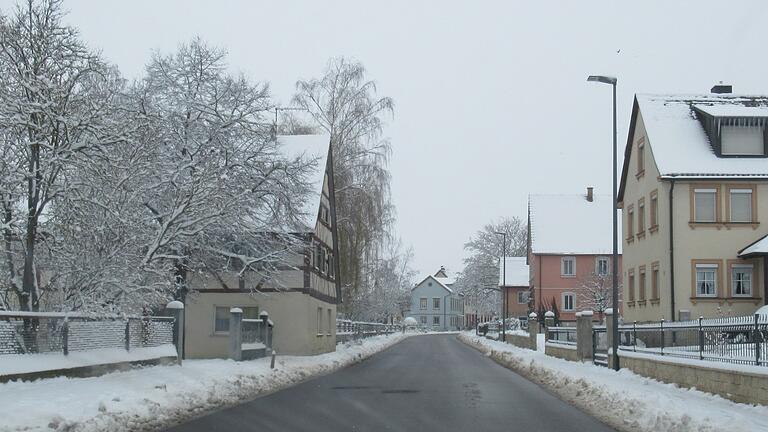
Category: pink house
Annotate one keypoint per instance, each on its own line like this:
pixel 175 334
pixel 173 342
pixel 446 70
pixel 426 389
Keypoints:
pixel 569 253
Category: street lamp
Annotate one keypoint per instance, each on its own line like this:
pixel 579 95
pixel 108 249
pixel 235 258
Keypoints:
pixel 615 291
pixel 503 286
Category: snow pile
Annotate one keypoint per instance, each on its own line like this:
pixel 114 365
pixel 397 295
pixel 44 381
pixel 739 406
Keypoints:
pixel 160 396
pixel 623 399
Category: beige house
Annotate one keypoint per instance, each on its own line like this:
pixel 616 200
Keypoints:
pixel 694 195
pixel 302 301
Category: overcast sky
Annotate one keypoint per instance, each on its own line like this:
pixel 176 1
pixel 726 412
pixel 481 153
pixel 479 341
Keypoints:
pixel 491 98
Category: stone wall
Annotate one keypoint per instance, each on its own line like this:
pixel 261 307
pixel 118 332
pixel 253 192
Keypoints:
pixel 566 352
pixel 735 382
pixel 521 341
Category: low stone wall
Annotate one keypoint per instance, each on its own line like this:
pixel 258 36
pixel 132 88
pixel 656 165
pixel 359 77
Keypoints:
pixel 743 384
pixel 521 341
pixel 566 352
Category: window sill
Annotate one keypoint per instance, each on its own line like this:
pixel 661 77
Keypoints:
pixel 631 303
pixel 641 302
pixel 630 239
pixel 320 335
pixel 727 299
pixel 694 225
pixel 640 174
pixel 753 225
pixel 655 301
pixel 641 234
pixel 567 276
pixel 653 229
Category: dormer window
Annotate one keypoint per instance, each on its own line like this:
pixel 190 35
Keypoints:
pixel 742 140
pixel 735 130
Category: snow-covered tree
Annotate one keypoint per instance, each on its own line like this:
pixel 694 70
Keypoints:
pixel 595 292
pixel 57 99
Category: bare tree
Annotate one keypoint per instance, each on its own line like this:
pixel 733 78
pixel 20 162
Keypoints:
pixel 595 292
pixel 347 106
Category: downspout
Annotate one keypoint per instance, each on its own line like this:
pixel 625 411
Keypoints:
pixel 445 326
pixel 672 249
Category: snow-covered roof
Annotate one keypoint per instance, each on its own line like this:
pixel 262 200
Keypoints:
pixel 760 247
pixel 679 143
pixel 517 272
pixel 447 281
pixel 571 225
pixel 438 280
pixel 309 148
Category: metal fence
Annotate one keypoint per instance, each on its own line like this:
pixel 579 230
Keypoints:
pixel 562 335
pixel 739 340
pixel 255 332
pixel 38 332
pixel 348 329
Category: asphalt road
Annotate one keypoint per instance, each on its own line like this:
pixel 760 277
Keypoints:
pixel 424 383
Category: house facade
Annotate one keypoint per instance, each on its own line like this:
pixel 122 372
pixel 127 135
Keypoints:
pixel 569 252
pixel 515 286
pixel 435 305
pixel 694 191
pixel 301 299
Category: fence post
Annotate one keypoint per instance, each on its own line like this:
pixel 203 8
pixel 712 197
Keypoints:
pixel 235 334
pixel 701 339
pixel 662 336
pixel 177 310
pixel 609 317
pixel 549 320
pixel 584 346
pixel 270 333
pixel 264 315
pixel 128 334
pixel 65 336
pixel 757 340
pixel 533 330
pixel 634 336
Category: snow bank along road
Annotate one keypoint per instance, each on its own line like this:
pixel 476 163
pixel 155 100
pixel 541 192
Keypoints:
pixel 424 383
pixel 156 397
pixel 623 399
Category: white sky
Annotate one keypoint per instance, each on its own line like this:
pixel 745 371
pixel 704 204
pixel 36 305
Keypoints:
pixel 491 98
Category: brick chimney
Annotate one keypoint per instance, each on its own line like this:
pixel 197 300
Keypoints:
pixel 590 194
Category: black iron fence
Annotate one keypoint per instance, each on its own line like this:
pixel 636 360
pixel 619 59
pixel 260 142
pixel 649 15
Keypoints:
pixel 738 340
pixel 562 335
pixel 40 332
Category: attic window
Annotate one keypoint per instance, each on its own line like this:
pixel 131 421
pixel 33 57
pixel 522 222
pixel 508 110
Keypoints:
pixel 742 140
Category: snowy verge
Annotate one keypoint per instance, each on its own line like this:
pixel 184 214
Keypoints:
pixel 11 364
pixel 622 399
pixel 157 397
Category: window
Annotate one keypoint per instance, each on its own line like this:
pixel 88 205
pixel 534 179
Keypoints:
pixel 569 302
pixel 221 320
pixel 630 223
pixel 641 217
pixel 331 266
pixel 435 320
pixel 568 266
pixel 740 205
pixel 654 210
pixel 631 285
pixel 319 321
pixel 706 280
pixel 741 279
pixel 640 157
pixel 324 214
pixel 222 315
pixel 705 205
pixel 318 255
pixel 655 281
pixel 328 324
pixel 641 285
pixel 522 297
pixel 423 303
pixel 742 140
pixel 424 320
pixel 602 266
pixel 436 303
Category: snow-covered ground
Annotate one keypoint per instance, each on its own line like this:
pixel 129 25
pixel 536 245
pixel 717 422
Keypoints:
pixel 153 397
pixel 623 399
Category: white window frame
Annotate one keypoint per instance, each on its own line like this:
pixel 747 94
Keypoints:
pixel 572 260
pixel 573 301
pixel 737 133
pixel 424 319
pixel 229 319
pixel 706 267
pixel 319 321
pixel 607 265
pixel 423 303
pixel 436 300
pixel 736 267
pixel 733 192
pixel 328 324
pixel 697 191
pixel 436 320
